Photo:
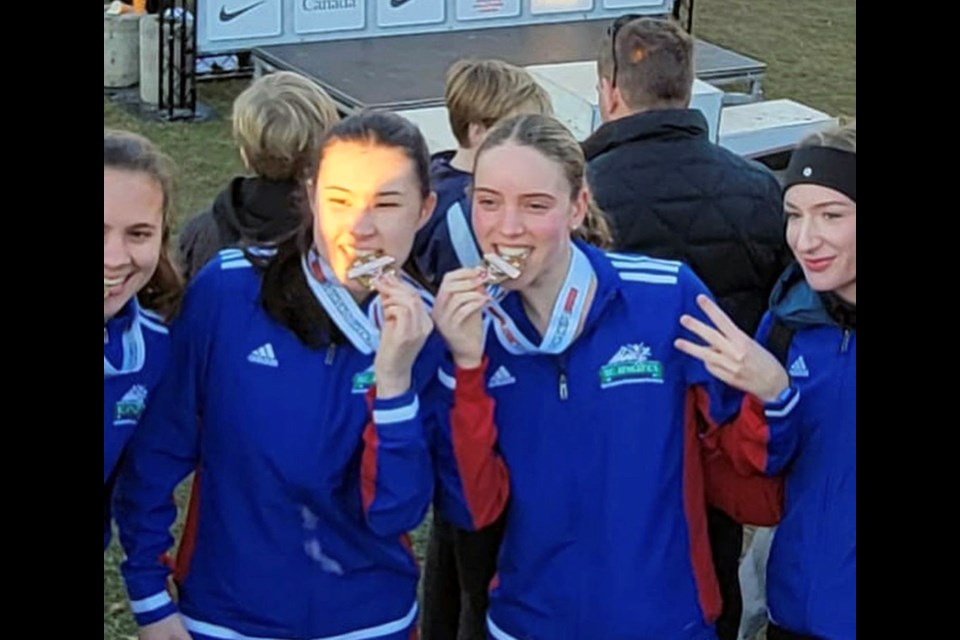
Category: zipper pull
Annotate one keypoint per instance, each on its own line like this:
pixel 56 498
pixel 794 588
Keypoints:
pixel 846 341
pixel 564 390
pixel 331 353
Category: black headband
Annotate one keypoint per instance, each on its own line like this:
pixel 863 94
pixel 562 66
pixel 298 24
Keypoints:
pixel 824 166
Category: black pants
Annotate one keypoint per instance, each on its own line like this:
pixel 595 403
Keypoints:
pixel 726 544
pixel 456 578
pixel 778 633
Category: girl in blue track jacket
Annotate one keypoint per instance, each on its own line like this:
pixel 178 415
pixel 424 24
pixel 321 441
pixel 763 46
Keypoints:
pixel 802 422
pixel 606 531
pixel 141 290
pixel 314 414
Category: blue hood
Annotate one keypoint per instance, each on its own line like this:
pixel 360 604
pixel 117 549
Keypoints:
pixel 795 304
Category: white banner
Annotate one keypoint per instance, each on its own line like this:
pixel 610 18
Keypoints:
pixel 486 9
pixel 538 7
pixel 240 19
pixel 395 13
pixel 630 4
pixel 321 16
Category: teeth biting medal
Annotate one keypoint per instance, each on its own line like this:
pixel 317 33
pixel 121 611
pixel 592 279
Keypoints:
pixel 370 265
pixel 505 265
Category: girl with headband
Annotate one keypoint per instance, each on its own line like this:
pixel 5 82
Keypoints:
pixel 800 420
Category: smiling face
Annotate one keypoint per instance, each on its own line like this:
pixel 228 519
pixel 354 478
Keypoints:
pixel 132 235
pixel 822 233
pixel 366 199
pixel 522 204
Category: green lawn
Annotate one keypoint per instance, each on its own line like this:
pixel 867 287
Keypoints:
pixel 809 46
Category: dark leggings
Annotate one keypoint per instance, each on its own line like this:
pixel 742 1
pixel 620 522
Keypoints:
pixel 726 544
pixel 457 573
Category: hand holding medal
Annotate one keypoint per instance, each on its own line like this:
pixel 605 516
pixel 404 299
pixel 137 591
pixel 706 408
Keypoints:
pixel 507 265
pixel 406 327
pixel 458 314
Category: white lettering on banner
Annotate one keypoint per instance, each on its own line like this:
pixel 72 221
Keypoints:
pixel 328 16
pixel 328 5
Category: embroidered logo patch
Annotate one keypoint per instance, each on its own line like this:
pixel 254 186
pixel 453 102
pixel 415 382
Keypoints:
pixel 362 381
pixel 130 407
pixel 500 378
pixel 631 365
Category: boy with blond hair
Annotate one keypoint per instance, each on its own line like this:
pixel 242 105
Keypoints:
pixel 478 94
pixel 277 123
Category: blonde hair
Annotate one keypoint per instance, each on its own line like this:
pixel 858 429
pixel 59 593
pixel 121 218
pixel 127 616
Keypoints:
pixel 548 136
pixel 595 229
pixel 842 137
pixel 126 151
pixel 486 91
pixel 278 122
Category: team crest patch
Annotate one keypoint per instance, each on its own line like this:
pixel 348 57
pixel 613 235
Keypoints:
pixel 130 407
pixel 632 364
pixel 362 381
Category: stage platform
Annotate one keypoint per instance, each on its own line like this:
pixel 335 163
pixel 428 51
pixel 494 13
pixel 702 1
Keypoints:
pixel 407 72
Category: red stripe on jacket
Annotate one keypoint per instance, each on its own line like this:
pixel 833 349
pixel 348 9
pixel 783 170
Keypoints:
pixel 368 461
pixel 746 439
pixel 483 473
pixel 695 510
pixel 188 541
pixel 712 476
pixel 734 459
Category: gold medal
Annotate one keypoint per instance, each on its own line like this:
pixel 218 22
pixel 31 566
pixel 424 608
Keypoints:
pixel 368 266
pixel 506 265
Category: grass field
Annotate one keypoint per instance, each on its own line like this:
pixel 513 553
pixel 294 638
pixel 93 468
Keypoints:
pixel 809 46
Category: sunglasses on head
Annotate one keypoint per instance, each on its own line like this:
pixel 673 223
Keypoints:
pixel 612 31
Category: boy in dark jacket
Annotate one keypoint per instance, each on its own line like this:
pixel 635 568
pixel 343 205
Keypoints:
pixel 277 123
pixel 479 93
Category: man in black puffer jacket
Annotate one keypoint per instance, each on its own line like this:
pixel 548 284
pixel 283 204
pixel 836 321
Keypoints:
pixel 671 193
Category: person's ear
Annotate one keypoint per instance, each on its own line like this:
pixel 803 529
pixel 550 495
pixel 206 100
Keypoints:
pixel 581 205
pixel 429 204
pixel 476 133
pixel 614 99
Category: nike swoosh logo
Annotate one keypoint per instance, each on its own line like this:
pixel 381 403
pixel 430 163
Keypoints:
pixel 227 16
pixel 398 3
